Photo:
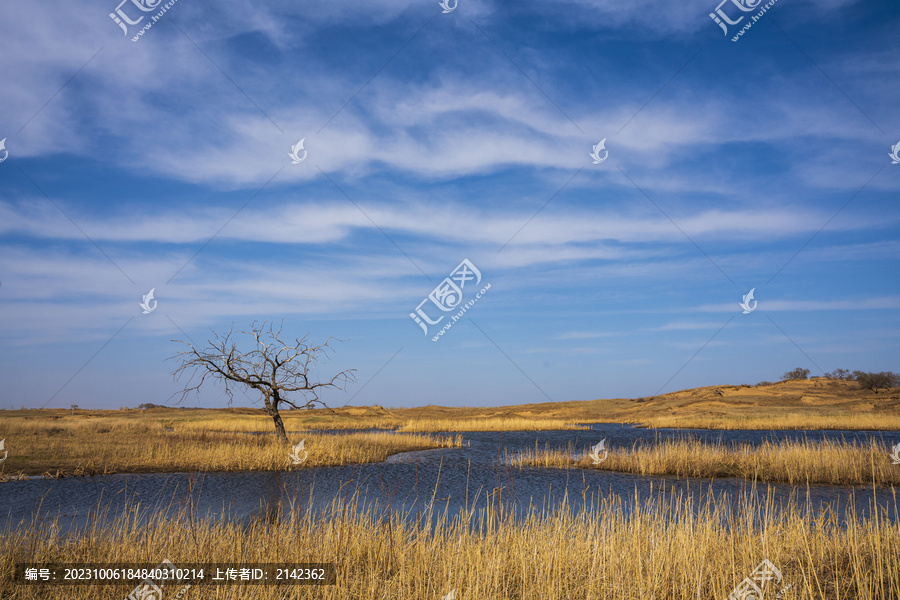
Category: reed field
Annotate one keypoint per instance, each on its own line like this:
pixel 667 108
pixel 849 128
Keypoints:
pixel 812 404
pixel 77 445
pixel 816 403
pixel 648 548
pixel 786 421
pixel 662 546
pixel 56 442
pixel 338 421
pixel 796 462
pixel 525 418
pixel 492 424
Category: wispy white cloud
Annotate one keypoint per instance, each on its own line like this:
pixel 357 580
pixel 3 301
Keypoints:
pixel 445 127
pixel 769 305
pixel 588 335
pixel 451 150
pixel 687 326
pixel 320 222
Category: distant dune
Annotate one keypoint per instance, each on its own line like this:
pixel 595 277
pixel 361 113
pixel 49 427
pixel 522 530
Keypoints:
pixel 816 403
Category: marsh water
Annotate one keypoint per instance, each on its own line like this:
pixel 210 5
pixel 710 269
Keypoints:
pixel 453 479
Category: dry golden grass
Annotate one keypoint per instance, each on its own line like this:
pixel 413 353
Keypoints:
pixel 293 423
pixel 793 421
pixel 490 424
pixel 660 549
pixel 299 424
pixel 830 462
pixel 816 403
pixel 78 445
pixel 135 440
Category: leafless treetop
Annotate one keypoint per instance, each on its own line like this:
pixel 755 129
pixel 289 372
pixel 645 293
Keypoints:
pixel 274 367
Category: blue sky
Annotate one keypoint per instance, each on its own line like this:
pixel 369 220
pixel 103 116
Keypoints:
pixel 436 137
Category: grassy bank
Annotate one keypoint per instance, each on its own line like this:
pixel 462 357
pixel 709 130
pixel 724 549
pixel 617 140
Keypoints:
pixel 491 424
pixel 830 462
pixel 798 421
pixel 816 403
pixel 661 549
pixel 74 445
pixel 804 404
pixel 409 421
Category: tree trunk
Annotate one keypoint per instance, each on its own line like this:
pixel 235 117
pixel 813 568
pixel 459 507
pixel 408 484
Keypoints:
pixel 279 427
pixel 272 410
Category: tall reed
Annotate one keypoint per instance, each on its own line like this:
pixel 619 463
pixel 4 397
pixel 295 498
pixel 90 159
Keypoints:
pixel 781 419
pixel 646 547
pixel 798 462
pixel 490 424
pixel 113 445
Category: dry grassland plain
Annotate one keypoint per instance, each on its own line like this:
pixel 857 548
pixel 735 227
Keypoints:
pixel 62 442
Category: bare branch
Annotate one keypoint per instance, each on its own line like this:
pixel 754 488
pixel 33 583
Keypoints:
pixel 282 373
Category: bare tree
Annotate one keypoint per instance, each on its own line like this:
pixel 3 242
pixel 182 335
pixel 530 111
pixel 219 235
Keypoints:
pixel 843 374
pixel 798 373
pixel 280 371
pixel 872 381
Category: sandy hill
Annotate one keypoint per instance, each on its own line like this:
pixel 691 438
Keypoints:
pixel 811 398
